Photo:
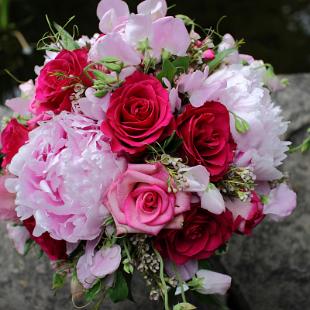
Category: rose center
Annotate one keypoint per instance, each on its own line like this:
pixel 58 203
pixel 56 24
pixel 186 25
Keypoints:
pixel 150 201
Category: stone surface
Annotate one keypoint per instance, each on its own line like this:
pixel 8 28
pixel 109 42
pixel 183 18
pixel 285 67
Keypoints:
pixel 270 270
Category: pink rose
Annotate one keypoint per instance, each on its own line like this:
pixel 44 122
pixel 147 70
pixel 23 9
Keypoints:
pixel 140 202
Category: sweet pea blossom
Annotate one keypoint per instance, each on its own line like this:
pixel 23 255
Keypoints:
pixel 19 235
pixel 186 271
pixel 7 202
pixel 199 88
pixel 95 265
pixel 62 175
pixel 281 202
pixel 156 8
pixel 213 282
pixel 111 13
pixel 20 104
pixel 198 181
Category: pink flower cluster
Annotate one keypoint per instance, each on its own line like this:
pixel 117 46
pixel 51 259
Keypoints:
pixel 143 131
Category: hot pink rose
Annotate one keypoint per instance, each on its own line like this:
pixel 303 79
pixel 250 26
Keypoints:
pixel 138 113
pixel 56 80
pixel 140 202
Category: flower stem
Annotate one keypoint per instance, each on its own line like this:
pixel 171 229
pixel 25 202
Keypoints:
pixel 162 279
pixel 181 282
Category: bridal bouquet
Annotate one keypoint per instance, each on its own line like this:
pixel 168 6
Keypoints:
pixel 143 148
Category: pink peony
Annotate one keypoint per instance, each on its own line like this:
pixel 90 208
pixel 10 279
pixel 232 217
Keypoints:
pixel 62 176
pixel 140 202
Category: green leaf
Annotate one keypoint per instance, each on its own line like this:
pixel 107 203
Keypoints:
pixel 204 264
pixel 184 306
pixel 59 280
pixel 119 291
pixel 110 59
pixel 242 126
pixel 101 93
pixel 28 245
pixel 92 293
pixel 219 58
pixel 66 38
pixel 99 75
pixel 168 71
pixel 264 199
pixel 182 64
pixel 116 67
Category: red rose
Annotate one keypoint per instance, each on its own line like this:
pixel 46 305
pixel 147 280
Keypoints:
pixel 137 115
pixel 57 79
pixel 206 137
pixel 202 234
pixel 54 249
pixel 13 137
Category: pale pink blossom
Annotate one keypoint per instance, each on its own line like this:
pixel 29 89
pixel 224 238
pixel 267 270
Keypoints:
pixel 139 201
pixel 114 45
pixel 7 201
pixel 19 235
pixel 186 271
pixel 213 282
pixel 198 181
pixel 281 202
pixel 156 8
pixel 174 99
pixel 20 104
pixel 111 14
pixel 199 87
pixel 63 173
pixel 177 44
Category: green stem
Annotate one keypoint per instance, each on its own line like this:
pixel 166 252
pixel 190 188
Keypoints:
pixel 4 14
pixel 162 279
pixel 181 283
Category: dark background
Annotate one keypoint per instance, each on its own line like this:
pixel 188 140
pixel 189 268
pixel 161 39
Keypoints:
pixel 277 31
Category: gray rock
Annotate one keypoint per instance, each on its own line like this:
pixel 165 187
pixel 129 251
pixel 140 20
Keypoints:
pixel 272 267
pixel 270 270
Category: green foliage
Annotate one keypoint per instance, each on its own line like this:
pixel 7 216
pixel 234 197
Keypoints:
pixel 57 38
pixel 94 291
pixel 168 71
pixel 182 64
pixel 184 306
pixel 204 264
pixel 219 58
pixel 59 280
pixel 242 126
pixel 304 146
pixel 119 291
pixel 168 146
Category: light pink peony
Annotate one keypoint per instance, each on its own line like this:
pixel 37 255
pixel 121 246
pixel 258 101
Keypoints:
pixel 62 176
pixel 140 202
pixel 7 202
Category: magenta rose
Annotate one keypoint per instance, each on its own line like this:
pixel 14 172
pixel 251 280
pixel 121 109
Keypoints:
pixel 140 202
pixel 13 136
pixel 55 83
pixel 138 113
pixel 202 234
pixel 206 137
